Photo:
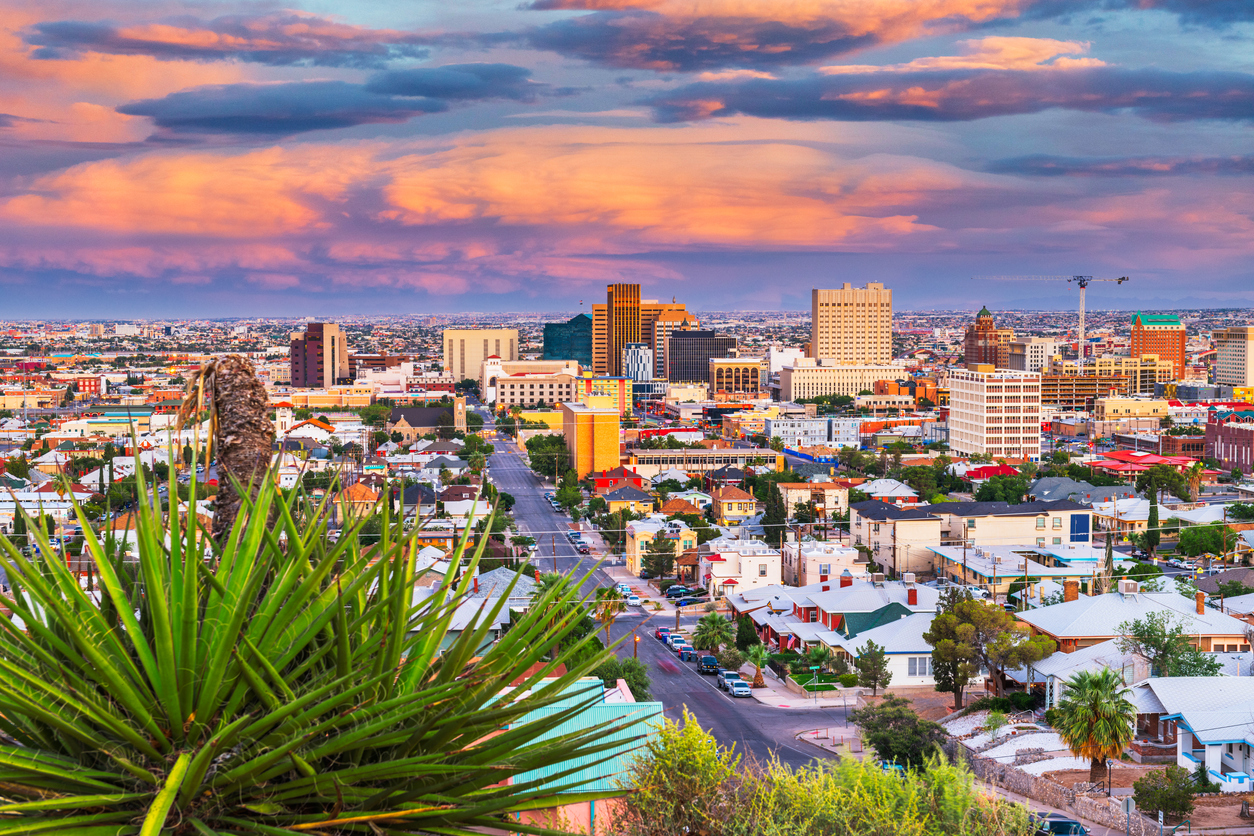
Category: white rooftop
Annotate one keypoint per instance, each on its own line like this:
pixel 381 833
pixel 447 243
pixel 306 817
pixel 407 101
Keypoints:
pixel 1101 615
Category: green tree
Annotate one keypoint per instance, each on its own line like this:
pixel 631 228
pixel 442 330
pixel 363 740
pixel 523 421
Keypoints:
pixel 1163 641
pixel 820 655
pixel 269 687
pixel 1095 718
pixel 746 634
pixel 1169 791
pixel 774 516
pixel 609 603
pixel 1232 589
pixel 1160 479
pixel 896 733
pixel 872 665
pixel 659 555
pixel 758 655
pixel 1215 538
pixel 1152 536
pixel 18 467
pixel 713 631
pixel 954 660
pixel 994 722
pixel 995 639
pixel 633 671
pixel 1008 489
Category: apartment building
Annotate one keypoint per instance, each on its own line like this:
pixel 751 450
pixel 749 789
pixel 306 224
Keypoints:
pixel 826 500
pixel 1079 391
pixel 466 349
pixel 814 432
pixel 592 436
pixel 1161 336
pixel 527 382
pixel 816 561
pixel 638 362
pixel 650 463
pixel 319 356
pixel 811 378
pixel 1234 355
pixel 1142 372
pixel 1118 409
pixel 728 566
pixel 852 325
pixel 995 413
pixel 1031 354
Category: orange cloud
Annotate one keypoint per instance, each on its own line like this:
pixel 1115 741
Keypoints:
pixel 995 53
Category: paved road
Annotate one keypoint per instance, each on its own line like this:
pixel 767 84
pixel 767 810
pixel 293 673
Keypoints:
pixel 754 728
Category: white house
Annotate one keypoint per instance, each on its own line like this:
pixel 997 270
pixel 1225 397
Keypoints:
pixel 909 656
pixel 1210 719
pixel 726 566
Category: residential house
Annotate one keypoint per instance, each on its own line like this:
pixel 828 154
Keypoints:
pixel 679 506
pixel 1210 584
pixel 1085 620
pixel 628 498
pixel 996 568
pixel 890 491
pixel 895 539
pixel 1052 673
pixel 698 498
pixel 908 655
pixel 733 506
pixel 1060 487
pixel 606 480
pixel 724 476
pixel 356 500
pixel 809 561
pixel 672 474
pixel 827 500
pixel 640 533
pixel 729 565
pixel 1206 719
pixel 416 500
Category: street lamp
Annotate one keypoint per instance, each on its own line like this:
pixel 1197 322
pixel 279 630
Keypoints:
pixel 635 647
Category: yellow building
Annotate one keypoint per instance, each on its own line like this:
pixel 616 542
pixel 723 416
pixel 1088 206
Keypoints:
pixel 1142 372
pixel 592 437
pixel 1113 409
pixel 732 506
pixel 640 533
pixel 629 498
pixel 554 418
pixel 1243 393
pixel 332 396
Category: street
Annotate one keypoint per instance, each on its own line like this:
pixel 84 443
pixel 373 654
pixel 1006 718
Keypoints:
pixel 757 730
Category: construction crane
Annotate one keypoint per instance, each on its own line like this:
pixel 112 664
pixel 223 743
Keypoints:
pixel 1082 281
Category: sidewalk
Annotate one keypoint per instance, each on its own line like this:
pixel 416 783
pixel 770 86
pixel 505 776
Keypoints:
pixel 777 695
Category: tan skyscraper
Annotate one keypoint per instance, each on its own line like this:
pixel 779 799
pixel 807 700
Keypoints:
pixel 852 325
pixel 624 319
pixel 466 349
pixel 1234 355
pixel 318 356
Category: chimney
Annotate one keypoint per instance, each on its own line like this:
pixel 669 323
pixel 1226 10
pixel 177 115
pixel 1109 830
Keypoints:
pixel 476 584
pixel 912 596
pixel 825 588
pixel 846 579
pixel 1200 598
pixel 1070 590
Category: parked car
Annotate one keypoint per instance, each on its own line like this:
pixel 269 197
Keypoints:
pixel 707 664
pixel 687 602
pixel 646 576
pixel 633 600
pixel 661 633
pixel 739 688
pixel 1049 824
pixel 726 677
pixel 674 639
pixel 623 588
pixel 677 591
pixel 583 548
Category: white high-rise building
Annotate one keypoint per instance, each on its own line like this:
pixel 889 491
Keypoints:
pixel 995 412
pixel 638 361
pixel 1031 354
pixel 1234 355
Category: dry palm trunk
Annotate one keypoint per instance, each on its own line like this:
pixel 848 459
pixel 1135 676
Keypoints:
pixel 242 433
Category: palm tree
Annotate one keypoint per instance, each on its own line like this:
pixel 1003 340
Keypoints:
pixel 713 631
pixel 758 655
pixel 610 602
pixel 820 655
pixel 1096 720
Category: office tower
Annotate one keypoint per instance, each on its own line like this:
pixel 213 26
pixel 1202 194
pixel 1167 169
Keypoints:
pixel 570 340
pixel 1142 372
pixel 689 354
pixel 1234 355
pixel 466 349
pixel 852 325
pixel 623 319
pixel 319 356
pixel 995 412
pixel 638 362
pixel 1161 335
pixel 735 375
pixel 669 320
pixel 986 344
pixel 1031 354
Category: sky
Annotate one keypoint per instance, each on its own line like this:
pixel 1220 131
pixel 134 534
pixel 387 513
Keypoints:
pixel 162 159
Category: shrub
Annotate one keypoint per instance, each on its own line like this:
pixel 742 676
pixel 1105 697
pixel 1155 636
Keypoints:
pixel 1170 791
pixel 990 704
pixel 1022 701
pixel 897 734
pixel 1052 717
pixel 730 658
pixel 848 679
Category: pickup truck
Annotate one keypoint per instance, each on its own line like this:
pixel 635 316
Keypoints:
pixel 725 678
pixel 707 664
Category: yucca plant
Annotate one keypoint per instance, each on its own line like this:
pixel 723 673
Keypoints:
pixel 277 682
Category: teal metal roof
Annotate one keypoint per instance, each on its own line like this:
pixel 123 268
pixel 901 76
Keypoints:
pixel 609 774
pixel 860 622
pixel 1157 319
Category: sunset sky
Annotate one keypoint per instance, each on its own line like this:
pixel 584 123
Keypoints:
pixel 219 159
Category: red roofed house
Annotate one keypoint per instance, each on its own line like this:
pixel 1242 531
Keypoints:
pixel 616 478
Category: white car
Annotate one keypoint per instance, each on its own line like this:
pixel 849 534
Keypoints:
pixel 739 688
pixel 624 588
pixel 633 600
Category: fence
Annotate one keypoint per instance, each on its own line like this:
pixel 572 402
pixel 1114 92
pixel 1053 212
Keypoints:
pixel 1100 809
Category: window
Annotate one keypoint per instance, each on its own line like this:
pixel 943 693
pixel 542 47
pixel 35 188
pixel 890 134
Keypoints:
pixel 970 523
pixel 1040 522
pixel 762 571
pixel 918 665
pixel 1058 523
pixel 825 568
pixel 1040 542
pixel 1057 541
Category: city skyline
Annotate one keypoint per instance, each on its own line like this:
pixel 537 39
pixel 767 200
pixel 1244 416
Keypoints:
pixel 238 159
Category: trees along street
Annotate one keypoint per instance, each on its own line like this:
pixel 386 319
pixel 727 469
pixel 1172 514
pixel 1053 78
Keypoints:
pixel 756 729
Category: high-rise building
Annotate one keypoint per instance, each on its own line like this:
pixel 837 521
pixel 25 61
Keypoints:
pixel 852 325
pixel 570 340
pixel 689 354
pixel 995 412
pixel 667 322
pixel 986 344
pixel 1031 354
pixel 638 362
pixel 319 356
pixel 626 318
pixel 810 378
pixel 1159 334
pixel 1142 372
pixel 466 349
pixel 1234 355
pixel 736 376
pixel 591 435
